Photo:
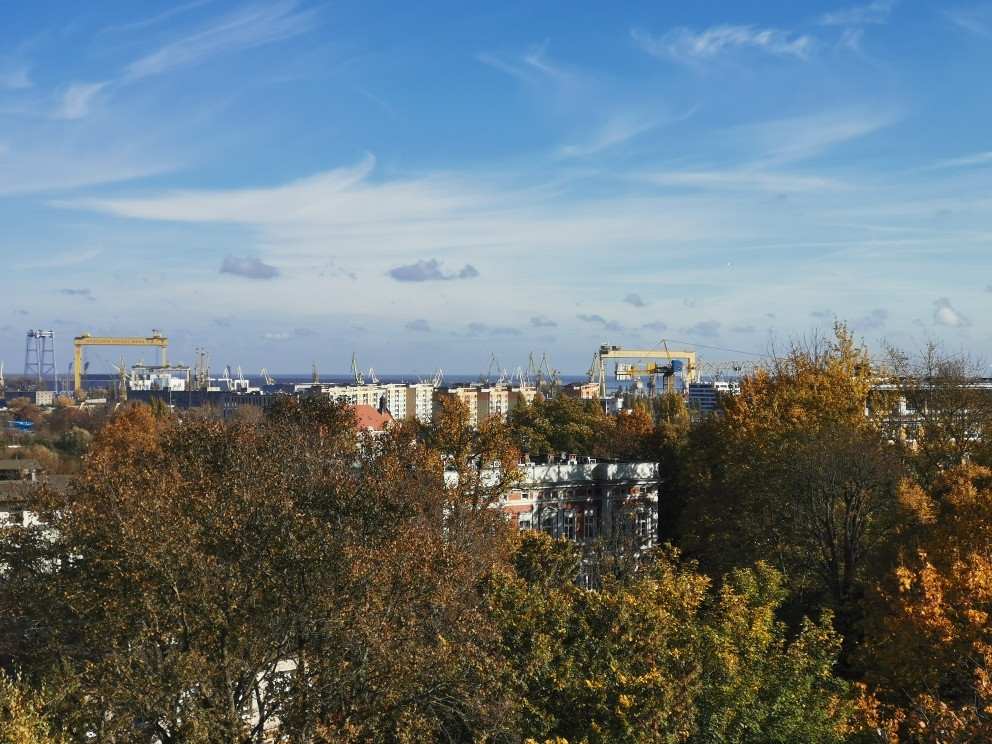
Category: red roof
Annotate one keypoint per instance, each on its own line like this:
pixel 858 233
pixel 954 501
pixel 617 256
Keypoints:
pixel 368 417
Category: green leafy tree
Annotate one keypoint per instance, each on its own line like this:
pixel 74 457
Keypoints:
pixel 759 687
pixel 609 666
pixel 670 446
pixel 562 424
pixel 74 442
pixel 662 658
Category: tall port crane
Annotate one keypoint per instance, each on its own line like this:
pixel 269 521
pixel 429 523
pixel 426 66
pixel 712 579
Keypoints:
pixel 357 373
pixel 676 362
pixel 486 377
pixel 156 339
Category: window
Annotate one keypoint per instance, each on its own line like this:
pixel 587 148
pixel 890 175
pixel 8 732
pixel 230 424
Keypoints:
pixel 568 524
pixel 643 529
pixel 589 529
pixel 549 522
pixel 523 522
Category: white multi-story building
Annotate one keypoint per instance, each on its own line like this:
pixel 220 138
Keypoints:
pixel 705 396
pixel 419 401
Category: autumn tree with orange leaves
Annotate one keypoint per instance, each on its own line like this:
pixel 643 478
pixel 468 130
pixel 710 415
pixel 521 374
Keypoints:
pixel 211 582
pixel 796 473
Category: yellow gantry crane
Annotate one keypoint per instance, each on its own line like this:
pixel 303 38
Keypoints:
pixel 156 339
pixel 676 362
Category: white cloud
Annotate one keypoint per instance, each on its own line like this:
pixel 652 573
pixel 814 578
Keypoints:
pixel 248 27
pixel 978 158
pixel 342 196
pixel 617 131
pixel 790 140
pixel 77 99
pixel 750 178
pixel 976 19
pixel 873 13
pixel 683 43
pixel 530 66
pixel 946 315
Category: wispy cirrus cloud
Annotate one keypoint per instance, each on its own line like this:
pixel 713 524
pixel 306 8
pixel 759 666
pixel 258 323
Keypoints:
pixel 965 161
pixel 684 43
pixel 248 27
pixel 78 98
pixel 171 12
pixel 530 66
pixel 745 178
pixel 617 131
pixel 430 271
pixel 860 15
pixel 975 19
pixel 343 196
pixel 789 140
pixel 248 266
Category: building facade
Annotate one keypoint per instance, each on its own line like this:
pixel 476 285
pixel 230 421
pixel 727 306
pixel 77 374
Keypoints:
pixel 584 499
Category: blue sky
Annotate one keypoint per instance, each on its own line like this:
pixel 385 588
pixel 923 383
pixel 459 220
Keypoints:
pixel 429 184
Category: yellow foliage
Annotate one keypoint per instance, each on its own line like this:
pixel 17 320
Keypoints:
pixel 915 503
pixel 22 720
